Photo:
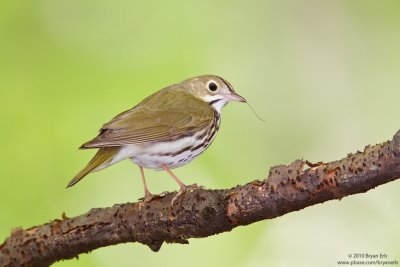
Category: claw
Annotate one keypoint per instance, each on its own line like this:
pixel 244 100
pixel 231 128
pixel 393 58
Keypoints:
pixel 180 192
pixel 183 190
pixel 147 198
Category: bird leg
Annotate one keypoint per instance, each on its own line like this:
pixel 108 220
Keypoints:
pixel 179 182
pixel 183 187
pixel 147 195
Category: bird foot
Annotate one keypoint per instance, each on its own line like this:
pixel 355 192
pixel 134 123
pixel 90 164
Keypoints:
pixel 150 197
pixel 183 190
pixel 147 197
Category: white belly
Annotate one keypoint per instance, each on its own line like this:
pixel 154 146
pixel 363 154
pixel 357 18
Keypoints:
pixel 150 157
pixel 173 154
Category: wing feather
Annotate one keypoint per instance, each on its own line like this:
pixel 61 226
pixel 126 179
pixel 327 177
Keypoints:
pixel 165 115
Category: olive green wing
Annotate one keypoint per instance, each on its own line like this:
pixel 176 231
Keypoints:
pixel 166 115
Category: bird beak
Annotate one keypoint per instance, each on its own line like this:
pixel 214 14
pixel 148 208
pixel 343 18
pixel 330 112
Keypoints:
pixel 236 97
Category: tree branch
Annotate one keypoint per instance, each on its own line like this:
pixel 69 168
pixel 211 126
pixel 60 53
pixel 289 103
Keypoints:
pixel 202 212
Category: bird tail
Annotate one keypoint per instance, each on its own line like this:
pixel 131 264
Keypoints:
pixel 101 160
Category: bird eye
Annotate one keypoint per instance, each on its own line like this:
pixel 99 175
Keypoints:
pixel 212 86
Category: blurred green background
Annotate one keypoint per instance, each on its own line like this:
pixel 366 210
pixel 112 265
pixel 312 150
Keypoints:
pixel 324 75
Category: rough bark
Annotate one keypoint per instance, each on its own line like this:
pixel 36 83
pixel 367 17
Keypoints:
pixel 204 212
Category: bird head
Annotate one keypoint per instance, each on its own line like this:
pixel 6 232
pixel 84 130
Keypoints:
pixel 212 89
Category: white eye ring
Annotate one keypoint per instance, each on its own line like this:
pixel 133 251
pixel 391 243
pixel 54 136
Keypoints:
pixel 212 86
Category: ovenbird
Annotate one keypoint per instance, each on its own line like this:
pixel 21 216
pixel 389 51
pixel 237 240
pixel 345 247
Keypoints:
pixel 166 130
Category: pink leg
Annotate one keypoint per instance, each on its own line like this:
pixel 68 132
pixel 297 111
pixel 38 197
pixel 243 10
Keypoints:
pixel 147 194
pixel 182 185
